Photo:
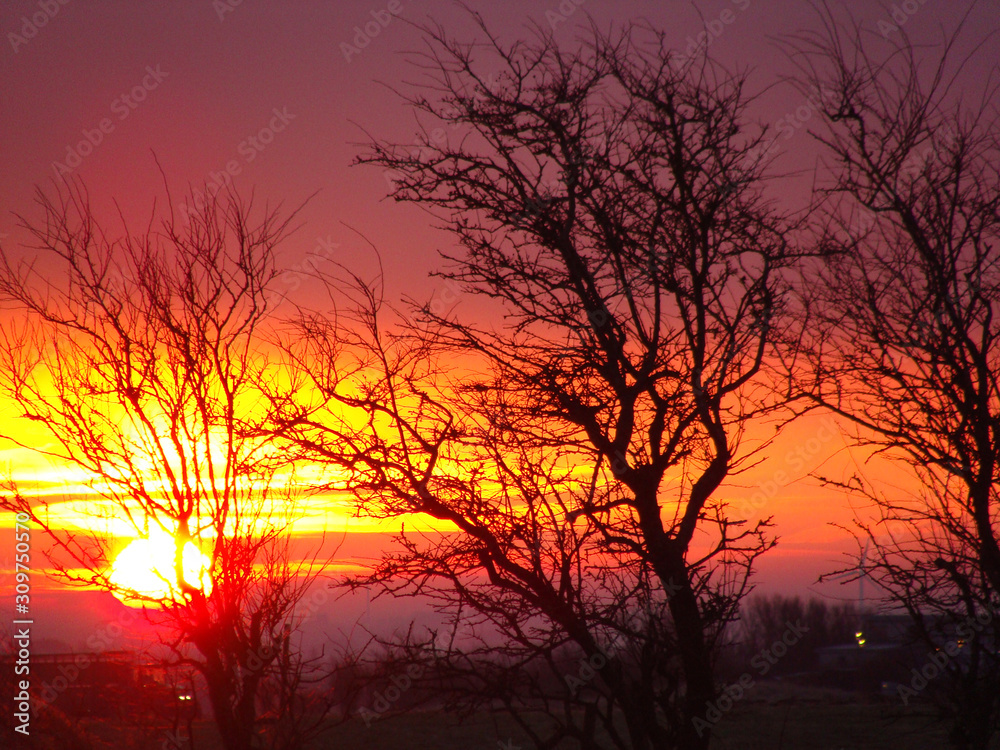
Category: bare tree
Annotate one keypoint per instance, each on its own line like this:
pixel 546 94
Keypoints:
pixel 906 338
pixel 765 619
pixel 608 206
pixel 138 357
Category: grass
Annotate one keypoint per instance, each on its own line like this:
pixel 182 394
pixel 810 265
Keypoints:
pixel 830 722
pixel 771 717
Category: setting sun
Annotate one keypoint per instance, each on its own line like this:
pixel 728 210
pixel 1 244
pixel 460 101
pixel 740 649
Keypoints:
pixel 146 567
pixel 636 387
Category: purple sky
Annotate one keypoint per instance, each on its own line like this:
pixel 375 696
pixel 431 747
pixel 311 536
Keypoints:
pixel 224 68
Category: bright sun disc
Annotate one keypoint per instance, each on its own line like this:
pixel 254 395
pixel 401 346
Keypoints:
pixel 146 566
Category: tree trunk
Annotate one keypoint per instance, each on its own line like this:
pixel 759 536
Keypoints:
pixel 697 665
pixel 667 556
pixel 236 729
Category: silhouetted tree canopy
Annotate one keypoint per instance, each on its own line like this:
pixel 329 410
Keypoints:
pixel 608 205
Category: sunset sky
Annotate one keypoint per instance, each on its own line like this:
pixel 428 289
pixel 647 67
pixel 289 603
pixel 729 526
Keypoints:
pixel 278 97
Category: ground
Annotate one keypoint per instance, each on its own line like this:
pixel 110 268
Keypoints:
pixel 778 718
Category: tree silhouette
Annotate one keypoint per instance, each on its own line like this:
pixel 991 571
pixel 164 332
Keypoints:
pixel 607 203
pixel 138 357
pixel 765 619
pixel 906 339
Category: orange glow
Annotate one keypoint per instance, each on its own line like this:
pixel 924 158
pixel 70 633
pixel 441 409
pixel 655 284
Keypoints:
pixel 146 568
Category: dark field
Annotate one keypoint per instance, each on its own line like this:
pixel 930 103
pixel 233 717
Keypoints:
pixel 758 726
pixel 773 718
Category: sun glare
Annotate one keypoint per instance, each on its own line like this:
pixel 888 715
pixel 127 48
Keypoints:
pixel 146 567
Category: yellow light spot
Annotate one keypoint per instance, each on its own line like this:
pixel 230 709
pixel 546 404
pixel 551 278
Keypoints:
pixel 146 567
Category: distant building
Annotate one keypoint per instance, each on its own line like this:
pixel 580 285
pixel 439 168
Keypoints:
pixel 887 650
pixel 882 651
pixel 107 684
